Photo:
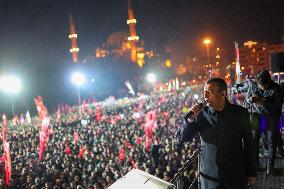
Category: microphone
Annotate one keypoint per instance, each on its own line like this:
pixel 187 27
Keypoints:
pixel 190 114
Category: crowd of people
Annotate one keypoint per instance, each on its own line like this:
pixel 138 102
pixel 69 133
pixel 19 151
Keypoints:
pixel 95 144
pixel 92 146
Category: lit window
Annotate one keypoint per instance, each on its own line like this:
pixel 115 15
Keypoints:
pixel 74 50
pixel 132 21
pixel 73 36
pixel 133 38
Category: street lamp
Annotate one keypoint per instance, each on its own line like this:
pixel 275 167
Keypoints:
pixel 207 42
pixel 78 79
pixel 11 85
pixel 151 79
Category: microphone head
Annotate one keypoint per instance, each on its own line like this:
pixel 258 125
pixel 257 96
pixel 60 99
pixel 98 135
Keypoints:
pixel 202 103
pixel 189 115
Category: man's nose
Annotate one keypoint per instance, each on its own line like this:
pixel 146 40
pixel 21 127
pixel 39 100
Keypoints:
pixel 205 94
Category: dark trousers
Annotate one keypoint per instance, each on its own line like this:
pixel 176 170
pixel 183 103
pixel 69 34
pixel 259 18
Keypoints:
pixel 272 139
pixel 266 128
pixel 256 120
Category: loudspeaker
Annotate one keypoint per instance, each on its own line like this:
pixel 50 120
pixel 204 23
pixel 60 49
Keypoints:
pixel 137 179
pixel 277 62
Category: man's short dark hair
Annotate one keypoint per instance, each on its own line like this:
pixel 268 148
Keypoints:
pixel 263 77
pixel 221 83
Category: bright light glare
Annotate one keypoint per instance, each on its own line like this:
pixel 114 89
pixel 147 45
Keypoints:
pixel 151 78
pixel 207 41
pixel 78 78
pixel 10 84
pixel 195 96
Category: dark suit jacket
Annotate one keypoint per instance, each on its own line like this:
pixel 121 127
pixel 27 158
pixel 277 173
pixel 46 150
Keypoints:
pixel 228 153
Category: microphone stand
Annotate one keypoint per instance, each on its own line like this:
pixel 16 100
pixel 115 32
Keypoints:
pixel 188 163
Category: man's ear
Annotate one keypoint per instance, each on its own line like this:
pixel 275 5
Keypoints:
pixel 224 93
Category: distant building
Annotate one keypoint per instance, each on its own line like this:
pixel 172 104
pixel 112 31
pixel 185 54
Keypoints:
pixel 125 44
pixel 255 56
pixel 275 49
pixel 118 46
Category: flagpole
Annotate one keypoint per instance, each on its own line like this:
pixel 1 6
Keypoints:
pixel 12 104
pixel 78 95
pixel 238 69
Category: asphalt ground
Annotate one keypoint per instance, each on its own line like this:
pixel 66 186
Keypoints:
pixel 272 181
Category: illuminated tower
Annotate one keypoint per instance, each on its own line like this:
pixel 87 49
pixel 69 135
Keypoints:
pixel 133 38
pixel 73 38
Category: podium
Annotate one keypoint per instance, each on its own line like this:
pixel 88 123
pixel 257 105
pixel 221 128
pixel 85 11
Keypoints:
pixel 137 179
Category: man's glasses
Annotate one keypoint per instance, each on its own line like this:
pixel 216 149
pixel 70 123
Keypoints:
pixel 206 91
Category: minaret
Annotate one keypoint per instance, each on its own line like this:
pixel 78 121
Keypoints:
pixel 133 38
pixel 73 38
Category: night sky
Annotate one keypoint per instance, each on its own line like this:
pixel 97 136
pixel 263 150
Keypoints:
pixel 34 40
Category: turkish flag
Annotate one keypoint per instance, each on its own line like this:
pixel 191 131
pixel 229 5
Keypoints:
pixel 162 99
pixel 133 163
pixel 43 136
pixel 121 154
pixel 98 113
pixel 128 145
pixel 151 115
pixel 81 152
pixel 7 160
pixel 138 140
pixel 58 116
pixel 76 137
pixel 140 106
pixel 150 123
pixel 165 115
pixel 148 142
pixel 67 150
pixel 41 109
pixel 44 120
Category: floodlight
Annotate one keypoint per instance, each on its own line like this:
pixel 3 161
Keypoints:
pixel 78 78
pixel 151 78
pixel 10 84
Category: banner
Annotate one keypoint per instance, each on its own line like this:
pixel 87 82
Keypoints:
pixel 129 87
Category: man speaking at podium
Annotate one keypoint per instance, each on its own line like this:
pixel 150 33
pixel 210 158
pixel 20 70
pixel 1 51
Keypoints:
pixel 227 159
